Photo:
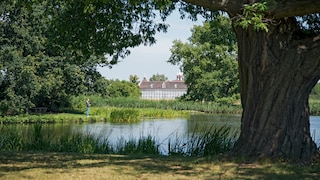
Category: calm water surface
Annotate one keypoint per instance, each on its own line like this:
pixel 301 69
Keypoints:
pixel 165 129
pixel 160 129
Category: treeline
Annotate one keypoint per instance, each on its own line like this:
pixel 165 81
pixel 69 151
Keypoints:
pixel 36 71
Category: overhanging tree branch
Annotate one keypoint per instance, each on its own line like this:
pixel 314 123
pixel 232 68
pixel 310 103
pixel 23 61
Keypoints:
pixel 279 9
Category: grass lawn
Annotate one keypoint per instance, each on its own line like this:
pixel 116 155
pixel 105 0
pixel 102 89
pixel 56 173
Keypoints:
pixel 38 165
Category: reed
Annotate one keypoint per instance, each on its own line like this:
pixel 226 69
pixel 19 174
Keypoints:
pixel 81 143
pixel 13 139
pixel 144 145
pixel 127 115
pixel 124 115
pixel 122 102
pixel 214 140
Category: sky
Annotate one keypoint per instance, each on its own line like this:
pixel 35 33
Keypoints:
pixel 145 61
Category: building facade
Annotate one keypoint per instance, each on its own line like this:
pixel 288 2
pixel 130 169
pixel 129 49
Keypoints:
pixel 167 90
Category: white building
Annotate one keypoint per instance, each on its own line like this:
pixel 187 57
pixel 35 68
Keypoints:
pixel 158 90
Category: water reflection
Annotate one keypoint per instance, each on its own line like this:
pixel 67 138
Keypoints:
pixel 164 129
pixel 160 129
pixel 315 128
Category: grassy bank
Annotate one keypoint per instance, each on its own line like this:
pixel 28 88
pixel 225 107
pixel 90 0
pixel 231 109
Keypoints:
pixel 97 114
pixel 209 107
pixel 132 110
pixel 38 165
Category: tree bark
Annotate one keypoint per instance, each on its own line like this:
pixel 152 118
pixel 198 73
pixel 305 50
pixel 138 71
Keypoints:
pixel 277 71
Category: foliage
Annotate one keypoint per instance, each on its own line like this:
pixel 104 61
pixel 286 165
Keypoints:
pixel 309 23
pixel 96 84
pixel 109 29
pixel 158 77
pixel 316 90
pixel 117 88
pixel 209 63
pixel 34 71
pixel 253 15
pixel 134 79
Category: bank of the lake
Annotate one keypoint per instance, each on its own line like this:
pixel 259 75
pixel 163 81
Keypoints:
pixel 97 114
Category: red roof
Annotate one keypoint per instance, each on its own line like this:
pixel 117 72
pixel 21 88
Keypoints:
pixel 176 84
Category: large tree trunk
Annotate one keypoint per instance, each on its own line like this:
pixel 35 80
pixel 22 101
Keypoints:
pixel 277 71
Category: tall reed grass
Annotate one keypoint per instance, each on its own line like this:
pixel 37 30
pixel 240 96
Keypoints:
pixel 121 102
pixel 208 107
pixel 124 115
pixel 13 139
pixel 213 140
pixel 127 115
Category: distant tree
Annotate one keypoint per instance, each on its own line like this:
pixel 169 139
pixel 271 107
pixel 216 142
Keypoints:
pixel 158 77
pixel 34 71
pixel 117 88
pixel 316 90
pixel 96 83
pixel 208 62
pixel 134 79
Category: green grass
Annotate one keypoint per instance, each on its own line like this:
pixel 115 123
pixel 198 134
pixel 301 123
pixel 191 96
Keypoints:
pixel 97 114
pixel 50 118
pixel 43 165
pixel 210 107
pixel 133 109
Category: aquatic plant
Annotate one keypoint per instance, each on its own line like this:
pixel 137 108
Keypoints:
pixel 215 140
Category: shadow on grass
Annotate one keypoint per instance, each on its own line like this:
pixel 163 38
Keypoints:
pixel 135 165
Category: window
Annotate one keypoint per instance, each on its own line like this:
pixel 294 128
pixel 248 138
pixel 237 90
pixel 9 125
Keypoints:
pixel 163 85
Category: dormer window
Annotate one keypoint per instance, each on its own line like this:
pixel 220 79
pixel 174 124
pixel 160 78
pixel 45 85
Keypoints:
pixel 163 85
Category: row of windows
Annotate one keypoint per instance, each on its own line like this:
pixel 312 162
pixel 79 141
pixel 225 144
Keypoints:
pixel 156 94
pixel 163 85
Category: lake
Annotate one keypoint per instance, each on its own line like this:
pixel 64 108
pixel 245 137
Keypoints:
pixel 165 129
pixel 162 130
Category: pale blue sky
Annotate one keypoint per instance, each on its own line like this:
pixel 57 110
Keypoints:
pixel 147 61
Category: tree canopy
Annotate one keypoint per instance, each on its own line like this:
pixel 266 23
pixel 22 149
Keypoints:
pixel 278 55
pixel 209 62
pixel 134 79
pixel 117 88
pixel 158 77
pixel 32 72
